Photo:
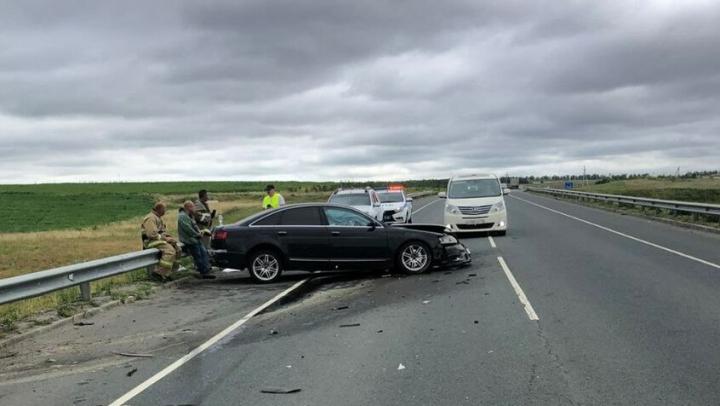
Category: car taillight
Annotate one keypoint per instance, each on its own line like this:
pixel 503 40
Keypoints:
pixel 220 235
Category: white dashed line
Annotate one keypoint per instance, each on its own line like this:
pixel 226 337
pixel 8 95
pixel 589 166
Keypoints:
pixel 518 291
pixel 492 242
pixel 610 230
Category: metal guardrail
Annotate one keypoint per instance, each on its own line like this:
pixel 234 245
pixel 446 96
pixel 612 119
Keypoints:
pixel 43 282
pixel 688 207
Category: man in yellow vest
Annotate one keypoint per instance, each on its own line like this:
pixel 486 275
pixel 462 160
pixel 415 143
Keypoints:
pixel 272 199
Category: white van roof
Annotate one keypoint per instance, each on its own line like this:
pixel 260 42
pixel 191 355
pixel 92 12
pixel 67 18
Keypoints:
pixel 473 176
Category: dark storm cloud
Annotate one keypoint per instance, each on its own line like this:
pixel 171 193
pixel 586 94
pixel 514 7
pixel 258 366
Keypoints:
pixel 372 89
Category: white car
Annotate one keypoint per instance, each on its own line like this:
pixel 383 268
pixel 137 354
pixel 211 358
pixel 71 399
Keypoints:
pixel 475 203
pixel 396 206
pixel 366 200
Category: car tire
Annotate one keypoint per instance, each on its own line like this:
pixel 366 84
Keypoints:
pixel 265 266
pixel 413 257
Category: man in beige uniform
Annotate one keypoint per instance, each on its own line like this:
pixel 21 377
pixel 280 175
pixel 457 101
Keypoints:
pixel 154 235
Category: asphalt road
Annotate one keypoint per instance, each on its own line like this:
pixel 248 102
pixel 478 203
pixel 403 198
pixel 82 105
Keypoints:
pixel 626 313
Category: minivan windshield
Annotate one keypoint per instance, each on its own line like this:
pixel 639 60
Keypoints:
pixel 352 199
pixel 470 188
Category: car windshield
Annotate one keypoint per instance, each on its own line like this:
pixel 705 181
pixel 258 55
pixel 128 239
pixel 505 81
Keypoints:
pixel 391 197
pixel 351 199
pixel 466 189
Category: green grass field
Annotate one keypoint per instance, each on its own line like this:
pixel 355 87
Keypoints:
pixel 63 206
pixel 702 190
pixel 33 211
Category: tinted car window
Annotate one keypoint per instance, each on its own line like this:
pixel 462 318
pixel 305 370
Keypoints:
pixel 354 199
pixel 301 216
pixel 271 220
pixel 342 217
pixel 391 197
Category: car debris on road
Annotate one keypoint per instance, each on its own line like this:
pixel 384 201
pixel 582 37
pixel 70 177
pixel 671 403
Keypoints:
pixel 281 391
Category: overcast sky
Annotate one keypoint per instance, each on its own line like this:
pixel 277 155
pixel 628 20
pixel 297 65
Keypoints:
pixel 330 90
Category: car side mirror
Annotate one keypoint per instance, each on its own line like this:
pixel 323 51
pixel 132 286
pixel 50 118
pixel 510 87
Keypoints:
pixel 442 195
pixel 409 199
pixel 506 191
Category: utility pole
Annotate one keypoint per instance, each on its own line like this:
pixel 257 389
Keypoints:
pixel 584 175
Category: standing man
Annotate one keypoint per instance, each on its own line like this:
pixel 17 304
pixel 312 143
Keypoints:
pixel 154 235
pixel 272 199
pixel 204 217
pixel 191 236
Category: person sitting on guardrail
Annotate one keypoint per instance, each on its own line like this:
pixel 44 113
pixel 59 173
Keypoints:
pixel 154 235
pixel 191 237
pixel 272 199
pixel 204 216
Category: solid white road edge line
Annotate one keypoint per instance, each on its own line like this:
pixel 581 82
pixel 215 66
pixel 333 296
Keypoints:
pixel 434 201
pixel 204 346
pixel 518 291
pixel 492 242
pixel 610 230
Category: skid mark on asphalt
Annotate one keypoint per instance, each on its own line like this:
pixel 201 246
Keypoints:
pixel 429 204
pixel 628 236
pixel 207 344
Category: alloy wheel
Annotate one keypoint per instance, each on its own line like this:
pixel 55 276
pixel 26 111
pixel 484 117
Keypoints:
pixel 414 257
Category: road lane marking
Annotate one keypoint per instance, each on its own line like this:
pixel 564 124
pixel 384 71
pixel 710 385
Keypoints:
pixel 518 291
pixel 492 242
pixel 204 346
pixel 434 201
pixel 610 230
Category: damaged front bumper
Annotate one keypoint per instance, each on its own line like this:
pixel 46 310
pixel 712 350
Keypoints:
pixel 456 254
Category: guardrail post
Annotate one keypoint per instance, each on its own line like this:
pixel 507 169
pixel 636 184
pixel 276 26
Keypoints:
pixel 85 292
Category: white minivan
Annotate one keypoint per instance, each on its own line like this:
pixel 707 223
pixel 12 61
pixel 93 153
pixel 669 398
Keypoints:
pixel 475 203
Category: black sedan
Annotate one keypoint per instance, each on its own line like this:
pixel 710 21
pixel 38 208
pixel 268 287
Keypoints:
pixel 317 237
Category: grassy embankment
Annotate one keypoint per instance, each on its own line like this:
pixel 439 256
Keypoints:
pixel 46 226
pixel 701 190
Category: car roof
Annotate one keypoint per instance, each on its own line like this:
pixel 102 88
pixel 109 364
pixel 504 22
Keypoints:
pixel 473 176
pixel 352 191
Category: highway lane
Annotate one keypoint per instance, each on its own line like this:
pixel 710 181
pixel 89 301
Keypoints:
pixel 448 337
pixel 620 322
pixel 630 323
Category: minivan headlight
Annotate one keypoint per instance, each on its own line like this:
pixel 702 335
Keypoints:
pixel 447 240
pixel 499 206
pixel 452 209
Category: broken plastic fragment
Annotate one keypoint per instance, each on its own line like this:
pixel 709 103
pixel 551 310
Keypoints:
pixel 401 367
pixel 280 390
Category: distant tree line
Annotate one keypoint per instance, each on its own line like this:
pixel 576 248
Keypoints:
pixel 602 178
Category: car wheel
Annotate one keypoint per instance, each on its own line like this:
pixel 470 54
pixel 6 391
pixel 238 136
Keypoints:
pixel 414 257
pixel 265 266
